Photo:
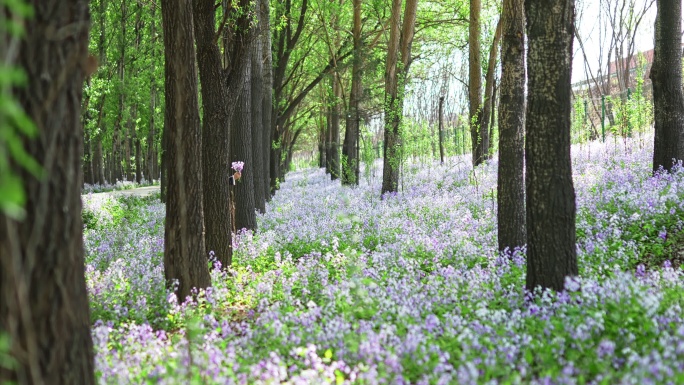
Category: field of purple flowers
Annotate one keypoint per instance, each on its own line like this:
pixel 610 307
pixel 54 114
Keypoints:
pixel 339 286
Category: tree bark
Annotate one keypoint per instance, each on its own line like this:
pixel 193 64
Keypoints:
pixel 510 183
pixel 185 257
pixel 220 89
pixel 396 69
pixel 43 298
pixel 666 73
pixel 441 129
pixel 267 102
pixel 350 174
pixel 98 163
pixel 551 248
pixel 257 89
pixel 478 136
pixel 241 150
pixel 490 84
pixel 334 129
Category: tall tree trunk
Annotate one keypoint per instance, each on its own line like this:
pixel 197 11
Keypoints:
pixel 267 102
pixel 477 135
pixel 490 84
pixel 551 248
pixel 138 164
pixel 219 104
pixel 441 129
pixel 185 257
pixel 257 89
pixel 350 173
pixel 334 129
pixel 396 69
pixel 98 163
pixel 241 150
pixel 87 157
pixel 666 73
pixel 124 155
pixel 322 150
pixel 150 158
pixel 164 166
pixel 43 299
pixel 510 182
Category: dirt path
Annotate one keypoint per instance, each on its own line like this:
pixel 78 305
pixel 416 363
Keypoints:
pixel 138 192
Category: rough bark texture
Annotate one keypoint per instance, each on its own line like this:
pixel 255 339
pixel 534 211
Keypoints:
pixel 551 249
pixel 241 150
pixel 510 183
pixel 257 93
pixel 666 74
pixel 43 298
pixel 215 136
pixel 350 150
pixel 478 137
pixel 267 102
pixel 397 66
pixel 185 257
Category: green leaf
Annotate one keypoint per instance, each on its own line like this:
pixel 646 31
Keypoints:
pixel 12 197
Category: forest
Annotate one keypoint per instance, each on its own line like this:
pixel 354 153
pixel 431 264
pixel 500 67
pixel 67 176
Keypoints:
pixel 341 192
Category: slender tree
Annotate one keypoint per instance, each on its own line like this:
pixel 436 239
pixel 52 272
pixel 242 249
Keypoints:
pixel 479 137
pixel 510 183
pixel 185 257
pixel 257 92
pixel 396 70
pixel 551 249
pixel 43 298
pixel 333 155
pixel 267 101
pixel 666 74
pixel 350 153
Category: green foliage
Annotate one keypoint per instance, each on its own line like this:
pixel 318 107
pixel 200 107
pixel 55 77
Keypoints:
pixel 15 124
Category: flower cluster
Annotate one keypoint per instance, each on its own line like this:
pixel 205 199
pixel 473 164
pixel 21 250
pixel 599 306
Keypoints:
pixel 339 286
pixel 238 166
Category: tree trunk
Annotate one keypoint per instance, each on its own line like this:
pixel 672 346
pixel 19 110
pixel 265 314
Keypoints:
pixel 267 102
pixel 510 183
pixel 98 162
pixel 87 159
pixel 185 257
pixel 441 129
pixel 257 89
pixel 396 69
pixel 490 84
pixel 150 159
pixel 478 136
pixel 666 73
pixel 350 174
pixel 163 167
pixel 241 150
pixel 43 298
pixel 124 159
pixel 551 248
pixel 334 129
pixel 220 90
pixel 322 150
pixel 138 164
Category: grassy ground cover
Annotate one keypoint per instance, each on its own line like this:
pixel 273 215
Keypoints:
pixel 339 286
